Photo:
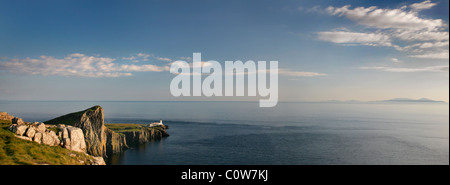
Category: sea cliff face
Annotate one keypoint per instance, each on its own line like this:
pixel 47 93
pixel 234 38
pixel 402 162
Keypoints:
pixel 100 141
pixel 103 141
pixel 144 135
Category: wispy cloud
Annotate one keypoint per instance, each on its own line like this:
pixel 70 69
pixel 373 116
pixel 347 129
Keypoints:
pixel 409 70
pixel 440 55
pixel 386 18
pixel 422 6
pixel 76 64
pixel 288 72
pixel 345 37
pixel 401 28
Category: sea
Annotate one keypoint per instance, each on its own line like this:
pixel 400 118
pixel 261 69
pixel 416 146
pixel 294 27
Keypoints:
pixel 292 133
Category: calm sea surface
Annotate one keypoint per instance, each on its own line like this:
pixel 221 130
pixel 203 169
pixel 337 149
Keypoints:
pixel 290 133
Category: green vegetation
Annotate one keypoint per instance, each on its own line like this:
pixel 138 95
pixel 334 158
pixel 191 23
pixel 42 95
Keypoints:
pixel 70 119
pixel 124 127
pixel 15 151
pixel 129 127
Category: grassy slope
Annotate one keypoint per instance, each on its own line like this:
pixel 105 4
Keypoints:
pixel 70 119
pixel 15 151
pixel 128 127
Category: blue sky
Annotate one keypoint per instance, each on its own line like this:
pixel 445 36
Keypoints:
pixel 121 50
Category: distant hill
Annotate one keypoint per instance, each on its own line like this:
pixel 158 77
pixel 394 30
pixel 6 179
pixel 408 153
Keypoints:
pixel 407 100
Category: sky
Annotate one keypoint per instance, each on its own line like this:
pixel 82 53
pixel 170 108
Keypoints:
pixel 122 50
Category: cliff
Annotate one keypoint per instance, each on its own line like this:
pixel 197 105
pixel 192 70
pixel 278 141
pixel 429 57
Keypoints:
pixel 100 141
pixel 136 134
pixel 105 139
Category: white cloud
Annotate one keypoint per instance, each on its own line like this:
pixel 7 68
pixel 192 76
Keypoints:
pixel 395 60
pixel 386 18
pixel 409 70
pixel 75 65
pixel 402 28
pixel 345 37
pixel 422 6
pixel 164 59
pixel 421 35
pixel 288 72
pixel 440 55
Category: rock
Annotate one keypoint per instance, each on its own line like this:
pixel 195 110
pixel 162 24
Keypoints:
pixel 66 143
pixel 41 127
pixel 91 122
pixel 99 161
pixel 20 129
pixel 64 133
pixel 23 137
pixel 77 142
pixel 13 128
pixel 38 137
pixel 6 116
pixel 17 120
pixel 61 126
pixel 47 139
pixel 30 132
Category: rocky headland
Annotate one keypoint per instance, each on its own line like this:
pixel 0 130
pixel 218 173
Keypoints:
pixel 86 132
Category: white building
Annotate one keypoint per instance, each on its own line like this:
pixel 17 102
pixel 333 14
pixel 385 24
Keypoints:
pixel 155 124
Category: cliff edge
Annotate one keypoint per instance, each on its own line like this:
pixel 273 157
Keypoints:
pixel 100 141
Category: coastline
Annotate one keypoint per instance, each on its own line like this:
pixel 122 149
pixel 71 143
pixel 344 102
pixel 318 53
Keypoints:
pixel 84 132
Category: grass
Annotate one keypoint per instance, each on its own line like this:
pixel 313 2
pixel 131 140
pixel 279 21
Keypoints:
pixel 15 151
pixel 124 127
pixel 72 118
pixel 129 127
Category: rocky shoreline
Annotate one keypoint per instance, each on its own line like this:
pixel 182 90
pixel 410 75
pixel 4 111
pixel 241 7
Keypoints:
pixel 84 132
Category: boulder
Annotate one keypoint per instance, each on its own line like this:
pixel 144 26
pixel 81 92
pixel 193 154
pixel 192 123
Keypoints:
pixel 5 116
pixel 17 120
pixel 64 133
pixel 38 137
pixel 30 132
pixel 20 129
pixel 77 142
pixel 99 161
pixel 54 138
pixel 66 143
pixel 13 128
pixel 47 139
pixel 23 137
pixel 41 127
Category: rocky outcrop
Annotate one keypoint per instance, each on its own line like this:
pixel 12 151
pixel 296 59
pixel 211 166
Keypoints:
pixel 68 136
pixel 99 140
pixel 32 133
pixel 5 116
pixel 115 142
pixel 72 138
pixel 17 121
pixel 144 135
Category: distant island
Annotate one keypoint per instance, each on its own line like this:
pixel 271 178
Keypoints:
pixel 395 100
pixel 407 100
